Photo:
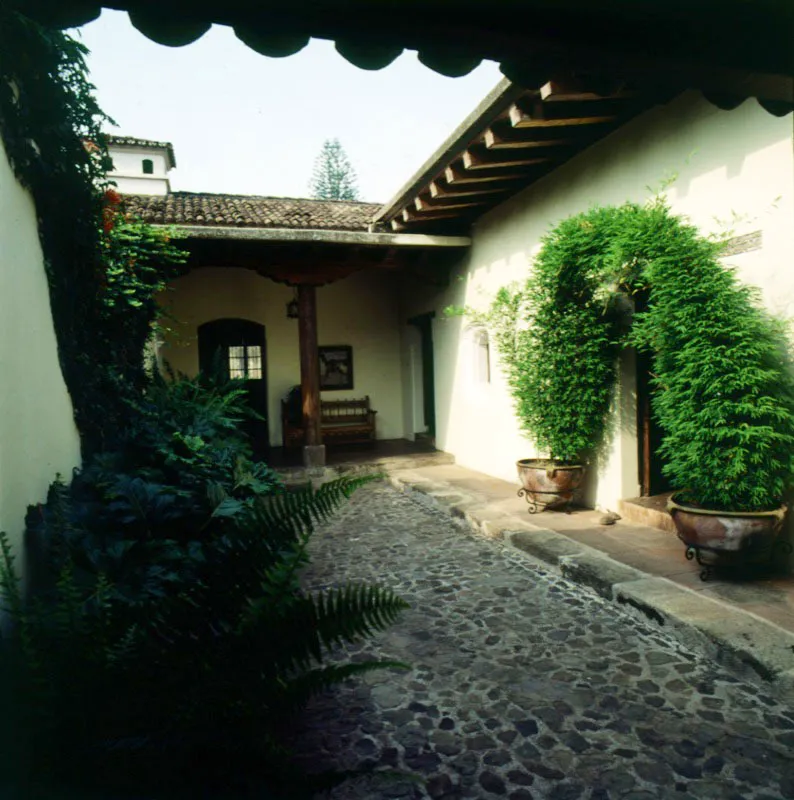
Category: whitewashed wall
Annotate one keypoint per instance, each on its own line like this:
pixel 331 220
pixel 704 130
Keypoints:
pixel 127 172
pixel 731 168
pixel 38 437
pixel 360 311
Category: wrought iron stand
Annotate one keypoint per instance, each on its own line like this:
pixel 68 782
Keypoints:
pixel 535 506
pixel 721 559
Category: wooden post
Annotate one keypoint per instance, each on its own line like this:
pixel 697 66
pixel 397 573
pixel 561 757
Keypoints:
pixel 313 450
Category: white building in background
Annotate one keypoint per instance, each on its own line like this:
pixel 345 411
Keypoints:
pixel 141 166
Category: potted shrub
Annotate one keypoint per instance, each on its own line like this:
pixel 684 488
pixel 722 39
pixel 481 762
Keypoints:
pixel 558 336
pixel 724 398
pixel 723 387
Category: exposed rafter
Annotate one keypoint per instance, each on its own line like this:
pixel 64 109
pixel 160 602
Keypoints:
pixel 458 176
pixel 535 113
pixel 482 159
pixel 512 141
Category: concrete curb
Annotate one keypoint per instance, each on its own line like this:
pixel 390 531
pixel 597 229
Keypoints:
pixel 739 640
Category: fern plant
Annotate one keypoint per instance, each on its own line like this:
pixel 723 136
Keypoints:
pixel 171 629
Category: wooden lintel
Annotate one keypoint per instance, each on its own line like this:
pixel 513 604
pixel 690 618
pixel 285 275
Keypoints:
pixel 474 160
pixel 456 177
pixel 444 201
pixel 536 115
pixel 442 189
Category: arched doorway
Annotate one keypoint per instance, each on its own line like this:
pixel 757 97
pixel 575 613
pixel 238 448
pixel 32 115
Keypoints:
pixel 237 348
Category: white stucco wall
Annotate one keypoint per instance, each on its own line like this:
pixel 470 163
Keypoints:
pixel 128 175
pixel 360 311
pixel 733 166
pixel 38 437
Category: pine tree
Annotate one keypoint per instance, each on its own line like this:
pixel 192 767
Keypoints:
pixel 334 177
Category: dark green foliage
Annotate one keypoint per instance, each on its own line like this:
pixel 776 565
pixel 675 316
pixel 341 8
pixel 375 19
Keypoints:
pixel 102 270
pixel 170 637
pixel 723 387
pixel 724 392
pixel 46 111
pixel 558 335
pixel 166 635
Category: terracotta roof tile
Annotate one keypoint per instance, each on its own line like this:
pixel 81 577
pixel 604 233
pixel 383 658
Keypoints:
pixel 246 211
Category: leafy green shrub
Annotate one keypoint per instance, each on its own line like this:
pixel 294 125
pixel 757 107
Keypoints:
pixel 170 638
pixel 558 335
pixel 724 391
pixel 102 268
pixel 723 386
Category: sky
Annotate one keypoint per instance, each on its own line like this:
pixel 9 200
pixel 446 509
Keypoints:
pixel 242 123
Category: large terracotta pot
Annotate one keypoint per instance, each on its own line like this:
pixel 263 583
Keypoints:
pixel 547 483
pixel 727 538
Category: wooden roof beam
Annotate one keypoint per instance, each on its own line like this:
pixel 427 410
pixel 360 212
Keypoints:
pixel 440 189
pixel 458 177
pixel 483 159
pixel 518 139
pixel 584 88
pixel 411 215
pixel 535 114
pixel 424 203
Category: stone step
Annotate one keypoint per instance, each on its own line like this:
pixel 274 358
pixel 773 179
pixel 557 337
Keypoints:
pixel 650 511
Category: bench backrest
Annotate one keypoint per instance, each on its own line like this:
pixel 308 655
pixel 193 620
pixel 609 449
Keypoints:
pixel 341 411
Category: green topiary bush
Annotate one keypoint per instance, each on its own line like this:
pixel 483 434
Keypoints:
pixel 558 336
pixel 723 387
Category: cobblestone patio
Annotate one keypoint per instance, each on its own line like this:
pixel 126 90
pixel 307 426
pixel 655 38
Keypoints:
pixel 523 685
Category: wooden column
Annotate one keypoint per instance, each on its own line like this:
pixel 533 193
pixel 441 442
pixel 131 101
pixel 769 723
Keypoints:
pixel 313 451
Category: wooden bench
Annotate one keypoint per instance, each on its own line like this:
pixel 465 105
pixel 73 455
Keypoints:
pixel 341 422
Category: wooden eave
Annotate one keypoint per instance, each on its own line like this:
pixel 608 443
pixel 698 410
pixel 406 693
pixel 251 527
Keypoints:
pixel 514 138
pixel 316 258
pixel 718 46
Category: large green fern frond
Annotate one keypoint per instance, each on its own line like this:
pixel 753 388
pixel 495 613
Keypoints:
pixel 314 623
pixel 289 514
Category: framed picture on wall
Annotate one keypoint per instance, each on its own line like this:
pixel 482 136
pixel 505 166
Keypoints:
pixel 336 367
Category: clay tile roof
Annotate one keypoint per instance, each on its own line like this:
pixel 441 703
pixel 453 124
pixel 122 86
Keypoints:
pixel 134 141
pixel 246 211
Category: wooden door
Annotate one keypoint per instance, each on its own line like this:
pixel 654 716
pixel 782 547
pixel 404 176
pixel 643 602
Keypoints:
pixel 236 347
pixel 649 433
pixel 424 323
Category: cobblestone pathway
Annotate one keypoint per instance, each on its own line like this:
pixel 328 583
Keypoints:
pixel 523 685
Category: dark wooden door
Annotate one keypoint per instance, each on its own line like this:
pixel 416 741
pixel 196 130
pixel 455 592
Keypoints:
pixel 649 433
pixel 236 348
pixel 424 323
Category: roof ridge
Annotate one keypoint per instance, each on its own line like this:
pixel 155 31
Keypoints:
pixel 223 210
pixel 186 193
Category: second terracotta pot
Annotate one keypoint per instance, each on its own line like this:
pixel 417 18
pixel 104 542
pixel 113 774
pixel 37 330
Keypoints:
pixel 546 483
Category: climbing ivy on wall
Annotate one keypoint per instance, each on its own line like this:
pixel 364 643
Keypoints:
pixel 722 378
pixel 102 269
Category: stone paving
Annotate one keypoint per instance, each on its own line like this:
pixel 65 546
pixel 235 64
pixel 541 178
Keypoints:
pixel 523 685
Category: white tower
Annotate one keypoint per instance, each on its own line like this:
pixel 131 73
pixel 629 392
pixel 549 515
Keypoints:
pixel 140 166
